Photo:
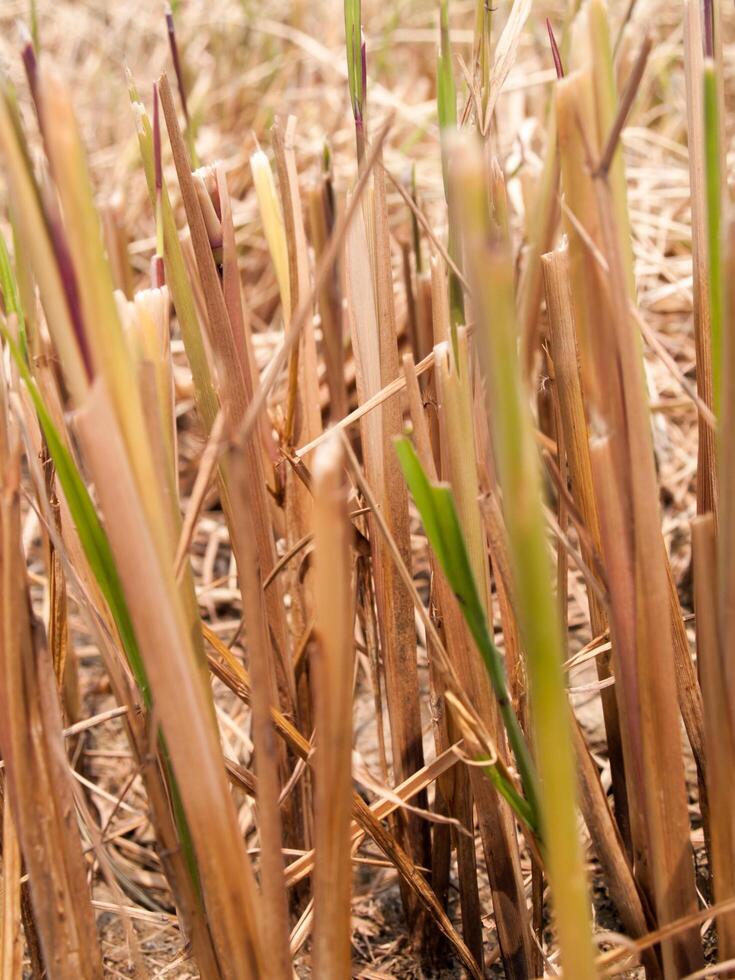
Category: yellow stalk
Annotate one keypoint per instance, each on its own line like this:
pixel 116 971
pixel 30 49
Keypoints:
pixel 272 218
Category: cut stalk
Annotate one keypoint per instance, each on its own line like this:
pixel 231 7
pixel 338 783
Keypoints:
pixel 372 323
pixel 562 337
pixel 693 71
pixel 720 741
pixel 321 224
pixel 333 714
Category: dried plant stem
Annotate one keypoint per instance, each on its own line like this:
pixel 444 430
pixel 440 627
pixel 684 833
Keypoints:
pixel 11 938
pixel 302 382
pixel 706 468
pixel 372 323
pixel 333 710
pixel 321 223
pixel 38 779
pixel 274 907
pixel 665 822
pixel 719 735
pixel 562 337
pixel 542 221
pixel 713 188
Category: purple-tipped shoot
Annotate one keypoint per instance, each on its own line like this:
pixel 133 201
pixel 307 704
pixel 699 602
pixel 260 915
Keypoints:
pixel 68 278
pixel 176 60
pixel 555 50
pixel 178 71
pixel 30 64
pixel 709 29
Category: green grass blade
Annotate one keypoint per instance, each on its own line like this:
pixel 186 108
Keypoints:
pixel 441 523
pixel 353 41
pixel 11 296
pixel 446 101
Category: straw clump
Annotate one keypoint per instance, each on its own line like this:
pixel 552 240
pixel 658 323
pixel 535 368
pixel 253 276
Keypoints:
pixel 359 384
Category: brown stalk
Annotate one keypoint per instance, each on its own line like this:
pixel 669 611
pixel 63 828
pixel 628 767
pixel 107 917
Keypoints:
pixel 719 735
pixel 268 760
pixel 241 346
pixel 333 673
pixel 664 790
pixel 58 627
pixel 626 102
pixel 240 380
pixel 726 468
pixel 707 493
pixel 690 700
pixel 561 518
pixel 638 574
pixel 555 266
pixel 39 789
pixel 541 224
pixel 321 225
pixel 220 330
pixel 11 939
pixel 303 417
pixel 575 117
pixel 303 383
pixel 609 847
pixel 321 274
